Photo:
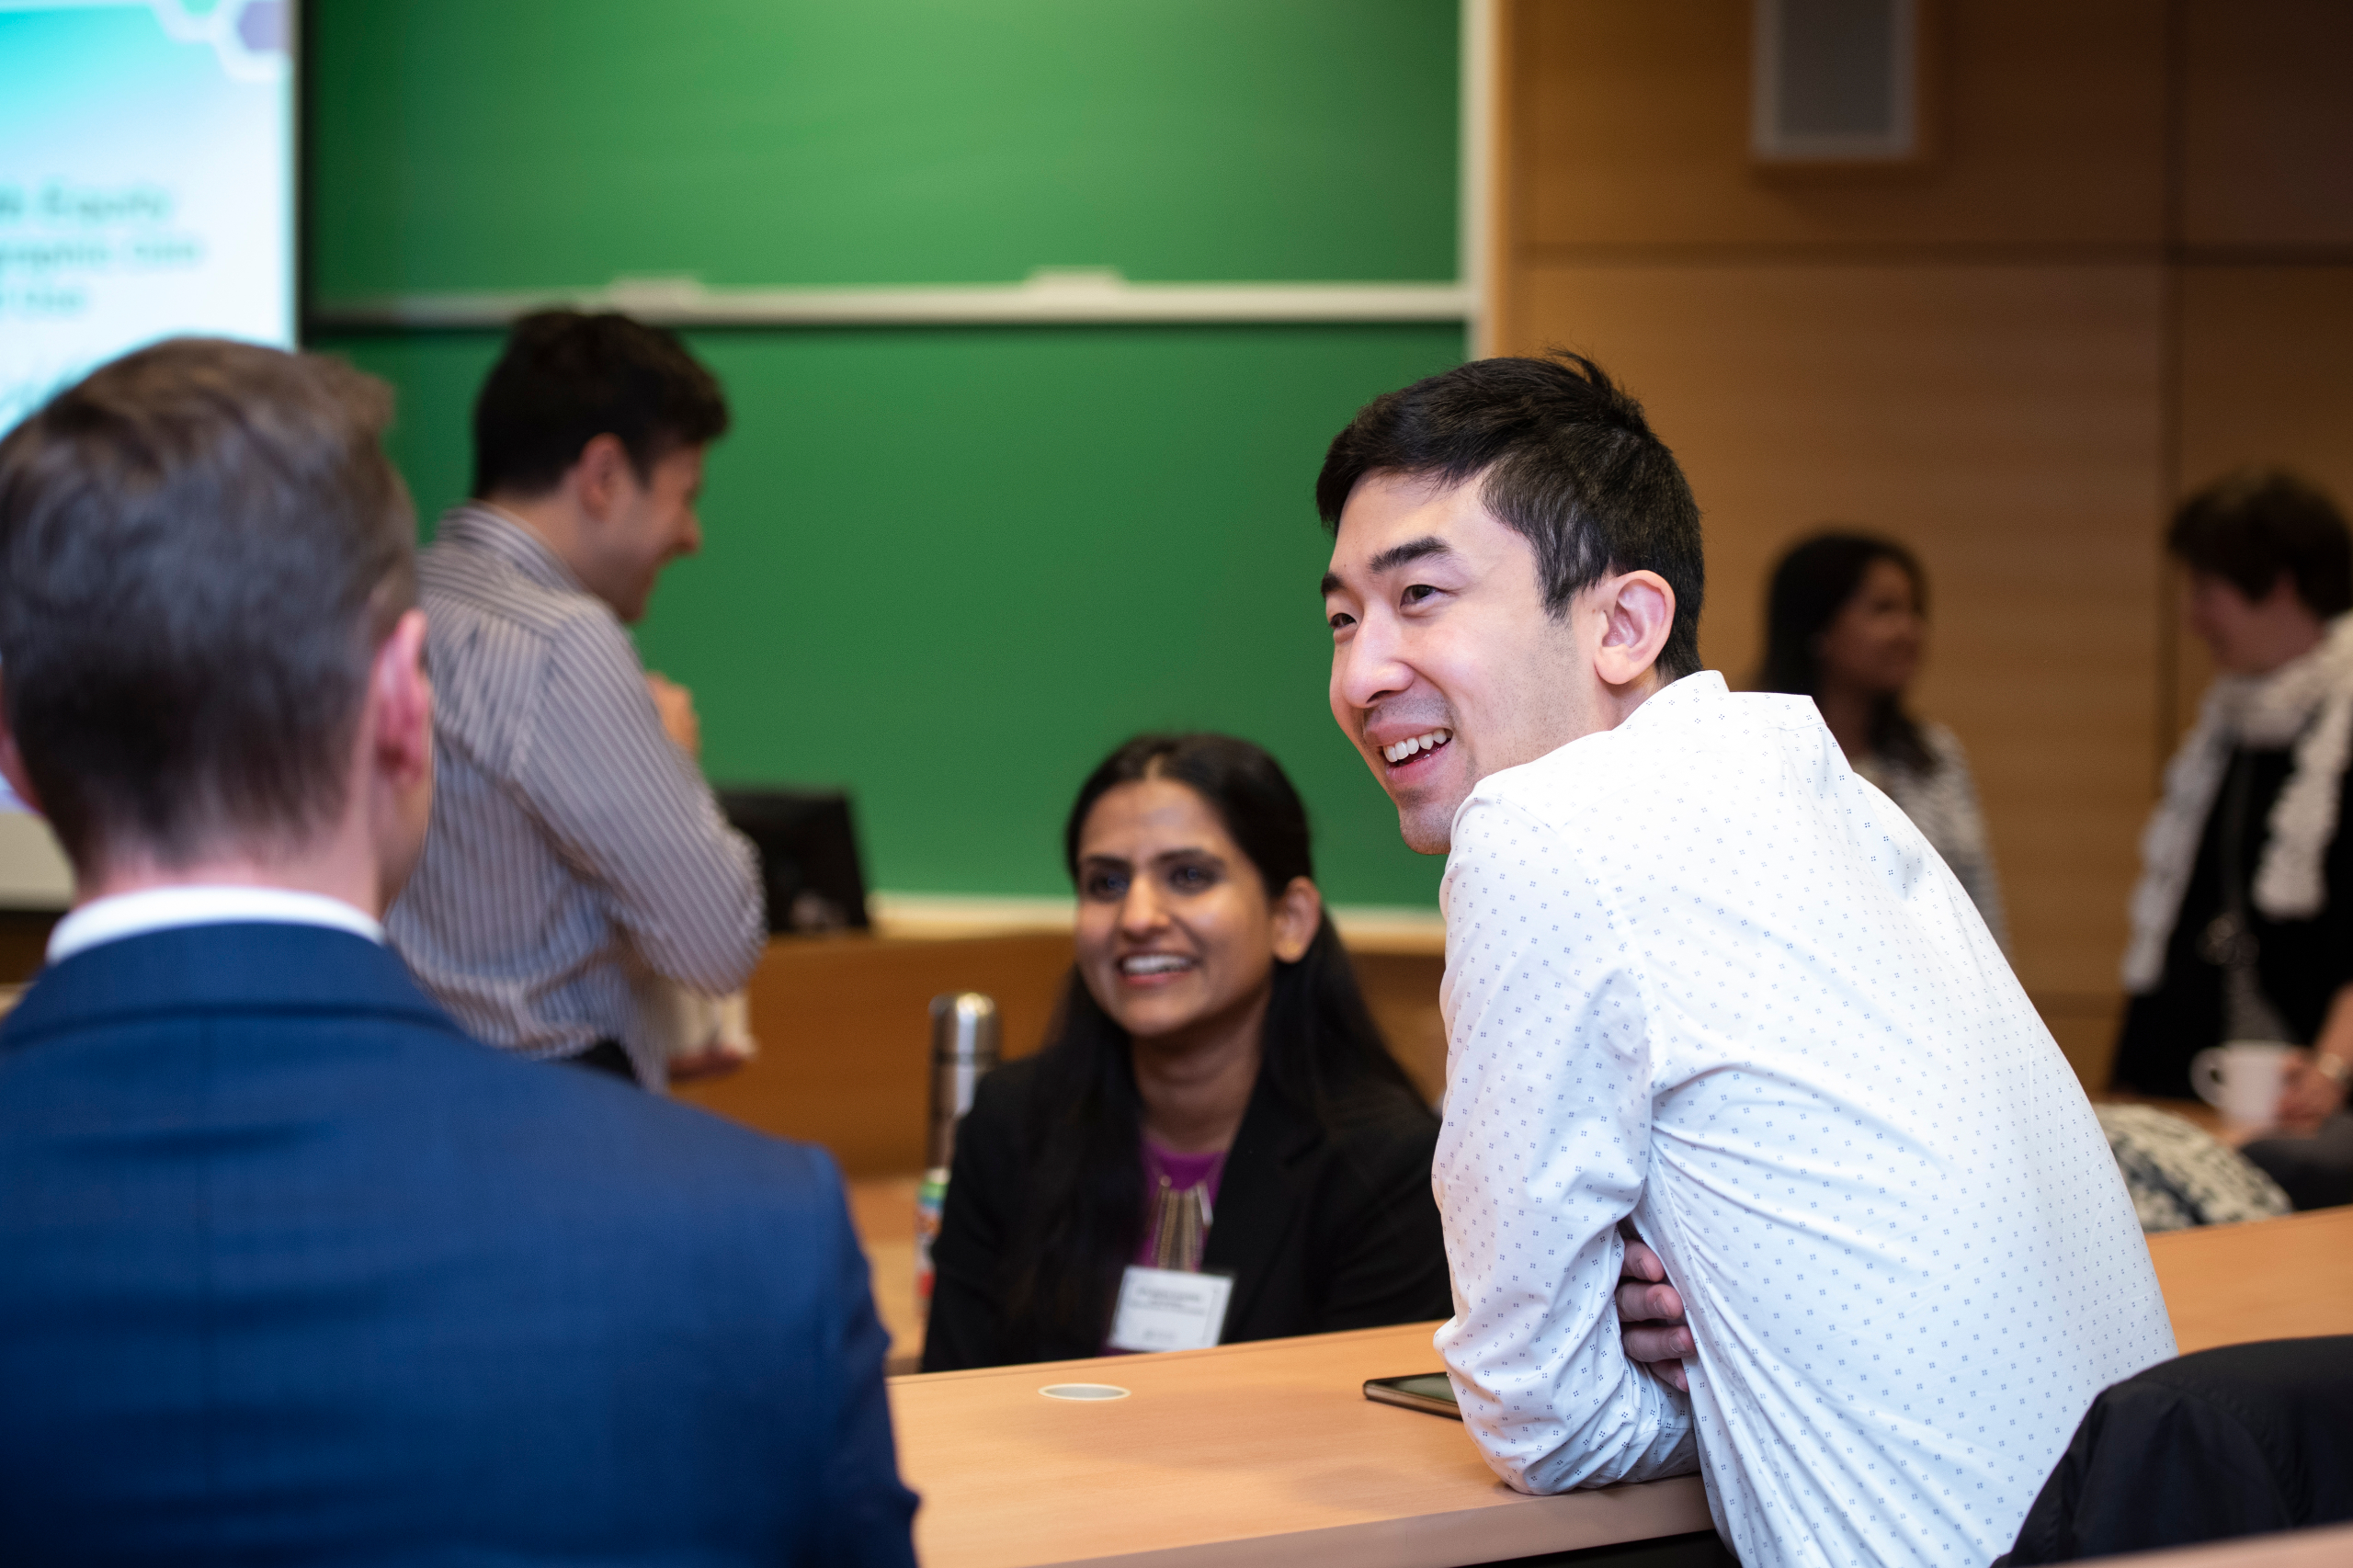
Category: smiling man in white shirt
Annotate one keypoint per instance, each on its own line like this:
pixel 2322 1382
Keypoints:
pixel 1703 978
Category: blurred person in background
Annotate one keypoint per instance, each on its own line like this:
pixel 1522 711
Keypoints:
pixel 2242 920
pixel 1213 1095
pixel 1846 624
pixel 581 895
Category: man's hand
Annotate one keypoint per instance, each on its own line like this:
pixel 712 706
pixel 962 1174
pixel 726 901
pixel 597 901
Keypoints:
pixel 2308 1097
pixel 675 704
pixel 1650 1316
pixel 714 1061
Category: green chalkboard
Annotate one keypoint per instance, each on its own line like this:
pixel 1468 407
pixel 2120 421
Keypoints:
pixel 947 567
pixel 951 568
pixel 459 144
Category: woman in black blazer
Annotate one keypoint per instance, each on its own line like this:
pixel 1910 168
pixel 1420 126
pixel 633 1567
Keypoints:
pixel 1213 1097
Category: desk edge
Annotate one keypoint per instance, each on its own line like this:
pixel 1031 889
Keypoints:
pixel 1608 1517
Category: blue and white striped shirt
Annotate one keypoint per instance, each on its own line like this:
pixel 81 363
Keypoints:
pixel 577 865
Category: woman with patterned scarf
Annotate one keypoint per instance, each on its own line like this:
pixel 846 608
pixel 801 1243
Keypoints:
pixel 2243 921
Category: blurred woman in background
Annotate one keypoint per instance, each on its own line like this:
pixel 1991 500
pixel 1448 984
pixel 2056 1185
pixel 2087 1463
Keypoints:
pixel 1213 1097
pixel 1845 623
pixel 2242 920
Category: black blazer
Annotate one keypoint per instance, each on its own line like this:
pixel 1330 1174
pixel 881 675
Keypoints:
pixel 1323 1227
pixel 2302 963
pixel 2234 1441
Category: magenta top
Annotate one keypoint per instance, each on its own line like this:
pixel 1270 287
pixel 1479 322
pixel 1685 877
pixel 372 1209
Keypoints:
pixel 1183 1171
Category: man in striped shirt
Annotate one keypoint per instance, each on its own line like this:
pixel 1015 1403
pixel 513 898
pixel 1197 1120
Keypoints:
pixel 578 876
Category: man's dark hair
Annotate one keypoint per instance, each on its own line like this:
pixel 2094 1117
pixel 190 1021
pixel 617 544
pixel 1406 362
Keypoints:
pixel 566 378
pixel 201 547
pixel 2257 524
pixel 1564 458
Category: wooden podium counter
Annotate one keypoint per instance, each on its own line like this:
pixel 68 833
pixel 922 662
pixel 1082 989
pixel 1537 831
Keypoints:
pixel 1266 1453
pixel 844 1024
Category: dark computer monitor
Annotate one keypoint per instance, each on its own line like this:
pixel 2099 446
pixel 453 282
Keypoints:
pixel 809 864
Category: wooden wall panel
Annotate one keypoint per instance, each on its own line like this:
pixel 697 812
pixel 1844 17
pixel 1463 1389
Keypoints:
pixel 1630 127
pixel 2012 358
pixel 2267 376
pixel 2006 421
pixel 2266 123
pixel 2267 369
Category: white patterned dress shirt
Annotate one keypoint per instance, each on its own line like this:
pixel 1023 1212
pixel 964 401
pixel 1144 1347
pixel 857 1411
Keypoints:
pixel 1700 974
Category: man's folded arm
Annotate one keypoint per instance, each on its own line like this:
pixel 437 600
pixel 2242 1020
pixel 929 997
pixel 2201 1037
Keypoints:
pixel 633 813
pixel 1543 1153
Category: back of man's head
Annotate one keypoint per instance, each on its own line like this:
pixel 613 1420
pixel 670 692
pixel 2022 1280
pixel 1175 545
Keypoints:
pixel 1564 458
pixel 2258 525
pixel 201 546
pixel 566 378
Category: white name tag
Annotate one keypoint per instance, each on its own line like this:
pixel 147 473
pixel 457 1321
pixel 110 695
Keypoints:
pixel 1166 1308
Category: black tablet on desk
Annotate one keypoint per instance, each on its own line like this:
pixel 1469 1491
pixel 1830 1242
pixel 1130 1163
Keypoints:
pixel 1430 1392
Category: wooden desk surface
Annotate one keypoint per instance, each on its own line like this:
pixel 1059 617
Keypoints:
pixel 2223 1284
pixel 1255 1454
pixel 884 1210
pixel 1269 1453
pixel 2331 1547
pixel 2268 1280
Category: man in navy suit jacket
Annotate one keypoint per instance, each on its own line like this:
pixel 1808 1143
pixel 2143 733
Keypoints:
pixel 290 1270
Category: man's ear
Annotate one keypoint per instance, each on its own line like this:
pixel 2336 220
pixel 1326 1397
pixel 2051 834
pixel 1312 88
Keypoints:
pixel 12 763
pixel 602 478
pixel 1638 614
pixel 1299 915
pixel 401 695
pixel 395 760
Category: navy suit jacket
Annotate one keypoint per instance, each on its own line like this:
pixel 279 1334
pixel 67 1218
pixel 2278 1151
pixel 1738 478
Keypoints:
pixel 291 1270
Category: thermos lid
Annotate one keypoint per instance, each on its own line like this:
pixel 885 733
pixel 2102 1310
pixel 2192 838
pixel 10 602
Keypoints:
pixel 963 1026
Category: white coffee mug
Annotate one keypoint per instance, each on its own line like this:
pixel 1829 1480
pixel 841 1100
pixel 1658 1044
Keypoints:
pixel 2242 1080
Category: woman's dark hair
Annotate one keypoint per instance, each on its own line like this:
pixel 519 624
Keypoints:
pixel 2258 525
pixel 1321 1049
pixel 1816 580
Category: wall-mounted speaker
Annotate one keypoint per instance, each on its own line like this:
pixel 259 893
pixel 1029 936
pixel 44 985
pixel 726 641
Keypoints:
pixel 1836 82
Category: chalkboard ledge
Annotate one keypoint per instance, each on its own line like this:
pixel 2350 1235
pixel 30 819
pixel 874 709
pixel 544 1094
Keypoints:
pixel 1365 927
pixel 1049 297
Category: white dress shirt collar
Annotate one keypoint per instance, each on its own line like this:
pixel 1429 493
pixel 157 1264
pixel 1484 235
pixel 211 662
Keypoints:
pixel 1682 692
pixel 164 909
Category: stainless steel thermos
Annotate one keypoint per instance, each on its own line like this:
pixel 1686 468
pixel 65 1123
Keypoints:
pixel 963 1046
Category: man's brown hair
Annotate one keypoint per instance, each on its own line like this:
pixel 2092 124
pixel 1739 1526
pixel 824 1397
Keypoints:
pixel 202 544
pixel 2258 525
